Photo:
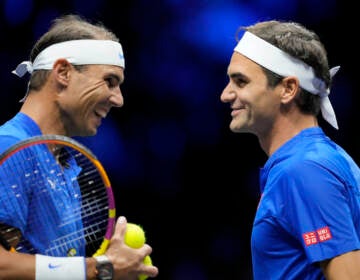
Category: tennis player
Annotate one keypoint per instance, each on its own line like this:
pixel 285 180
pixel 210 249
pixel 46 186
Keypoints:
pixel 307 225
pixel 76 69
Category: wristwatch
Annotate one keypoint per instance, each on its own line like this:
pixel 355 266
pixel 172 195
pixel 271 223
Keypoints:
pixel 104 268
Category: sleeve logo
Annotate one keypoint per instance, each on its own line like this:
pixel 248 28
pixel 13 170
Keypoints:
pixel 319 235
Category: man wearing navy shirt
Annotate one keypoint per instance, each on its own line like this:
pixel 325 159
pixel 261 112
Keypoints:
pixel 307 225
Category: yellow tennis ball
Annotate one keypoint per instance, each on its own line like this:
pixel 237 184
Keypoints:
pixel 134 236
pixel 147 261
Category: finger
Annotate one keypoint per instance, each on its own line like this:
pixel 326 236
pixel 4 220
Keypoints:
pixel 120 227
pixel 146 250
pixel 149 270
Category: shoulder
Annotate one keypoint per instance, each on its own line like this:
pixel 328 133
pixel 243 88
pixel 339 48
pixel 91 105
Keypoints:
pixel 6 141
pixel 307 172
pixel 16 129
pixel 10 134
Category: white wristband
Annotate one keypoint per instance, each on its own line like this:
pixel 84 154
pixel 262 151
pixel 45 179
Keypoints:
pixel 59 268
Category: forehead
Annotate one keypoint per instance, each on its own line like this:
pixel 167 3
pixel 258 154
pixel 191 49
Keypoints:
pixel 241 64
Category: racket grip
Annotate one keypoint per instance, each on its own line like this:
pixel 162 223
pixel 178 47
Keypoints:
pixel 6 244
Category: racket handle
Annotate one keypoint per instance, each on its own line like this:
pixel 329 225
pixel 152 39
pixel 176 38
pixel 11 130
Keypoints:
pixel 6 244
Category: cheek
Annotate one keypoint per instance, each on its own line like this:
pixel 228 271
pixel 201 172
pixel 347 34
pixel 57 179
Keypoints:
pixel 94 90
pixel 263 98
pixel 86 83
pixel 266 111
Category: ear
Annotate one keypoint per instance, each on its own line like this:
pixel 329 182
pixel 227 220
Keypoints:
pixel 291 87
pixel 61 71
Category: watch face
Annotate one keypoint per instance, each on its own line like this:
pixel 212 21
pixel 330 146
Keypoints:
pixel 105 271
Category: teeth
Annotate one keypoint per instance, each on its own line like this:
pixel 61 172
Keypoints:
pixel 102 115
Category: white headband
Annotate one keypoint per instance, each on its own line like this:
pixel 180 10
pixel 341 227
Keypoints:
pixel 281 63
pixel 77 52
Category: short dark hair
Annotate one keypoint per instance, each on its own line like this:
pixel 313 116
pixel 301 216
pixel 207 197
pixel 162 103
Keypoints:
pixel 65 28
pixel 301 43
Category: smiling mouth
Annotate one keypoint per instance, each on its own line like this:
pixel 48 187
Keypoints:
pixel 100 115
pixel 235 112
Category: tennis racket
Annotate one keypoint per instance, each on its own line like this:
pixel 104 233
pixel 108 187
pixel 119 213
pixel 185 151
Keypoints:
pixel 55 198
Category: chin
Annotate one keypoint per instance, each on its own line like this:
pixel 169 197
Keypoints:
pixel 238 128
pixel 235 127
pixel 92 133
pixel 88 132
pixel 91 130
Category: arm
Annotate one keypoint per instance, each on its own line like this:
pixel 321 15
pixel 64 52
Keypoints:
pixel 15 265
pixel 344 267
pixel 127 262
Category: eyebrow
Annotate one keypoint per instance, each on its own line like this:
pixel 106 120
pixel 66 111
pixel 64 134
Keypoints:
pixel 237 75
pixel 119 79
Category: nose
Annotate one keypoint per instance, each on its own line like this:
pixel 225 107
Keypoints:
pixel 227 94
pixel 116 99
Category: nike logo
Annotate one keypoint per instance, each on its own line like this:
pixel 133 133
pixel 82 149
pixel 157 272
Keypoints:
pixel 53 266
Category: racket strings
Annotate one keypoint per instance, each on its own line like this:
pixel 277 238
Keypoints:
pixel 94 210
pixel 85 202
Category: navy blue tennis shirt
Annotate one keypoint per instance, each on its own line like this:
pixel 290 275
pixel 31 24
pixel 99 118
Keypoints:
pixel 38 188
pixel 309 209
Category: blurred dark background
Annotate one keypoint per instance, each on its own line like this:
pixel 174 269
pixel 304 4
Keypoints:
pixel 176 168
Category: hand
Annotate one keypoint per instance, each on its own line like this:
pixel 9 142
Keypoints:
pixel 128 262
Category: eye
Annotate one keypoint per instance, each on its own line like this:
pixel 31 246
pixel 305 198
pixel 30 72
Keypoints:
pixel 112 82
pixel 240 82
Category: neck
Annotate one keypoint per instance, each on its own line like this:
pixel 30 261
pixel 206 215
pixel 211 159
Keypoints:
pixel 283 131
pixel 41 108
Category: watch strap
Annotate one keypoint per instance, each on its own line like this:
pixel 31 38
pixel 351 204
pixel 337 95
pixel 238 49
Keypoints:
pixel 104 268
pixel 102 259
